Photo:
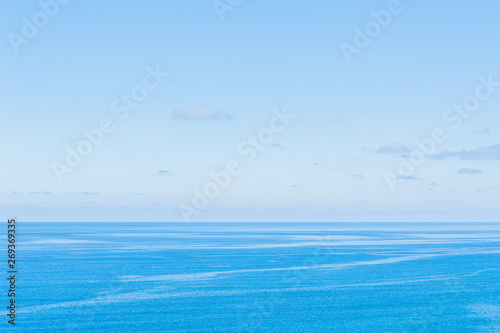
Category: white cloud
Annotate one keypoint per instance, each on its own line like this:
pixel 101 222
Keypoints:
pixel 481 153
pixel 469 171
pixel 201 113
pixel 393 148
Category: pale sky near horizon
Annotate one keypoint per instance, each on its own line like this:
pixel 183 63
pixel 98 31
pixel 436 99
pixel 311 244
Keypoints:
pixel 354 122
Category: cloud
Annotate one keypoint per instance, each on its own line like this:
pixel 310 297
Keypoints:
pixel 163 172
pixel 277 145
pixel 445 154
pixel 43 192
pixel 357 176
pixel 402 177
pixel 83 193
pixel 482 153
pixel 469 171
pixel 393 148
pixel 201 113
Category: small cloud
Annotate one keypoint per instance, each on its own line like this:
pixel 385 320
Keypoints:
pixel 40 192
pixel 433 184
pixel 402 177
pixel 358 176
pixel 316 164
pixel 82 193
pixel 201 113
pixel 469 171
pixel 294 186
pixel 163 172
pixel 276 145
pixel 445 154
pixel 393 148
pixel 89 202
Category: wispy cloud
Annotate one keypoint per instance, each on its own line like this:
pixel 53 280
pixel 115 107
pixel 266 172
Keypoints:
pixel 201 113
pixel 83 193
pixel 469 171
pixel 445 154
pixel 481 153
pixel 163 172
pixel 393 148
pixel 41 192
pixel 403 177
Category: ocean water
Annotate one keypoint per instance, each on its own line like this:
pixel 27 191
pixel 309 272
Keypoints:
pixel 244 277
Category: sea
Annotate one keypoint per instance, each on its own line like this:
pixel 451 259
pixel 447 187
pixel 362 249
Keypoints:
pixel 255 277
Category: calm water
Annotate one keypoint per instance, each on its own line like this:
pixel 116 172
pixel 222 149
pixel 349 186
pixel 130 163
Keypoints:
pixel 223 277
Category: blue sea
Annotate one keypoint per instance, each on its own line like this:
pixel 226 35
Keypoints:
pixel 256 277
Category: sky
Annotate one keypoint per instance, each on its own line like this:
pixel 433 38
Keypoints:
pixel 250 110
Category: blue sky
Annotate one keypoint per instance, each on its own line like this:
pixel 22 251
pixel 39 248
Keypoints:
pixel 354 121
